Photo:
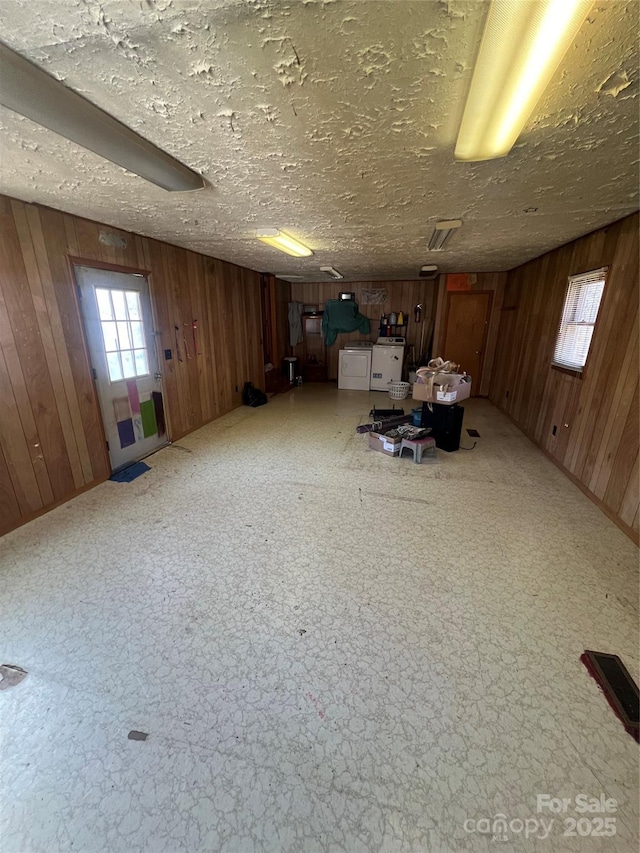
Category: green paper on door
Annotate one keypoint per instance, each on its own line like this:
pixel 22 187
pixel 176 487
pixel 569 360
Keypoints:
pixel 148 414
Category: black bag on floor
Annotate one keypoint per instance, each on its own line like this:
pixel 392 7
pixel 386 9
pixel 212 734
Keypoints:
pixel 253 396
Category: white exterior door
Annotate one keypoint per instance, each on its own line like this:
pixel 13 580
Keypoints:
pixel 116 309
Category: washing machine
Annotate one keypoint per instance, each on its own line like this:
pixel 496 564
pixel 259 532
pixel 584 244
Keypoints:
pixel 387 358
pixel 354 366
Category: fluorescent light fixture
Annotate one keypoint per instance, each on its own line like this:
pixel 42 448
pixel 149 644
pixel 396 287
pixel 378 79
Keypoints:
pixel 284 242
pixel 31 92
pixel 332 272
pixel 521 49
pixel 441 234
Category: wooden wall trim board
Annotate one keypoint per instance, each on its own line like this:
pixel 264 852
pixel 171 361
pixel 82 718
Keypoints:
pixel 51 437
pixel 595 414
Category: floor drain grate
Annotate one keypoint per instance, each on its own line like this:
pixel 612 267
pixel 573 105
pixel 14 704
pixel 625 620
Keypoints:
pixel 618 686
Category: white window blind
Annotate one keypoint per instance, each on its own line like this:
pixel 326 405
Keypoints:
pixel 579 316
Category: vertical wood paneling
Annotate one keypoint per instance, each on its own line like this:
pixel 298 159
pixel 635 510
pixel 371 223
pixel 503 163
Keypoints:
pixel 282 294
pixel 51 438
pixel 10 510
pixel 596 415
pixel 45 328
pixel 21 466
pixel 54 235
pixel 402 296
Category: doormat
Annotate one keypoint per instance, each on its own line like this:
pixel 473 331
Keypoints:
pixel 126 475
pixel 620 690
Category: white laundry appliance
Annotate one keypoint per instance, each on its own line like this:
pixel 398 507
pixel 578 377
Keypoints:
pixel 386 362
pixel 354 366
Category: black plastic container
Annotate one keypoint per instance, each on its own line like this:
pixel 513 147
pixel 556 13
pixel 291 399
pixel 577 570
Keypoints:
pixel 445 423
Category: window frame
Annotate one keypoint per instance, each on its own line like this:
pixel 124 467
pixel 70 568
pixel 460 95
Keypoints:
pixel 579 372
pixel 129 323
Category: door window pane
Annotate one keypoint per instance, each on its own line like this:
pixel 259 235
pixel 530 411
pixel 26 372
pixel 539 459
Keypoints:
pixel 124 336
pixel 104 304
pixel 142 368
pixel 128 366
pixel 110 335
pixel 119 304
pixel 123 332
pixel 115 368
pixel 133 304
pixel 136 334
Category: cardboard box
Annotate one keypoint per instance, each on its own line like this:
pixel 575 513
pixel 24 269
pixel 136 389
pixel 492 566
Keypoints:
pixel 388 446
pixel 443 398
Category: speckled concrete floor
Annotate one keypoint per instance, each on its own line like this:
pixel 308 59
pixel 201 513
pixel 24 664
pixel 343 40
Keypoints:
pixel 331 650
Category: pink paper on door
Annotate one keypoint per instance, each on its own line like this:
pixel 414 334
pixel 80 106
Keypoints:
pixel 134 399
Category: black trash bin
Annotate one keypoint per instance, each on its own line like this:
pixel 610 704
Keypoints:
pixel 445 423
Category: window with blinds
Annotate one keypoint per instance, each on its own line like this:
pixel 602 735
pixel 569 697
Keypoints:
pixel 579 316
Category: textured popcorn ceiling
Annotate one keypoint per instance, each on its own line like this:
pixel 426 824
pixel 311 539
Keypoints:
pixel 334 120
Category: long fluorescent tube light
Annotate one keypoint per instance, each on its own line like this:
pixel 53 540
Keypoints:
pixel 332 272
pixel 441 234
pixel 284 242
pixel 521 49
pixel 31 92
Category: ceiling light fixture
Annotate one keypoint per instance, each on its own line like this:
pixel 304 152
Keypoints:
pixel 441 234
pixel 429 271
pixel 284 242
pixel 31 92
pixel 332 272
pixel 522 46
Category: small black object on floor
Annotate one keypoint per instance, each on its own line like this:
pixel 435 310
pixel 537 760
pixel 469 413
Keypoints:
pixel 619 688
pixel 376 414
pixel 252 396
pixel 126 475
pixel 135 735
pixel 473 433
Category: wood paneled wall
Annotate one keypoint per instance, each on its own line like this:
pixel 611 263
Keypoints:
pixel 51 441
pixel 282 291
pixel 595 416
pixel 403 296
pixel 494 281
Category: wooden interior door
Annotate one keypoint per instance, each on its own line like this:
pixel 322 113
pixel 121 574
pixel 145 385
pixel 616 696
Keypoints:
pixel 466 332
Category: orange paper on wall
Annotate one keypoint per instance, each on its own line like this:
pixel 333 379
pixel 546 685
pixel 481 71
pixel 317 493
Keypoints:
pixel 458 281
